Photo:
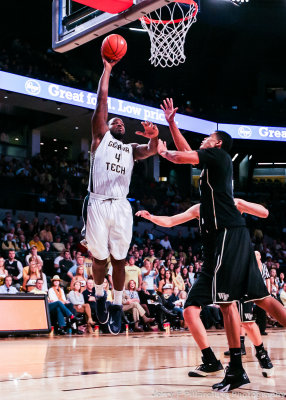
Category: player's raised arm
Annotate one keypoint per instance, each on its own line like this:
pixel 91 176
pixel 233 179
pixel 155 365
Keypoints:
pixel 178 157
pixel 251 208
pixel 100 115
pixel 192 213
pixel 170 112
pixel 151 132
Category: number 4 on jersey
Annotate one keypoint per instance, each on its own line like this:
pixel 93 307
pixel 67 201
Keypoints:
pixel 118 156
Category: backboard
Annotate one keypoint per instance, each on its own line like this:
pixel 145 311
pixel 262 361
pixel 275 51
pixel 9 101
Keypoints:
pixel 75 24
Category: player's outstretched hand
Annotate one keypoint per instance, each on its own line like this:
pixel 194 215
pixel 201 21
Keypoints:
pixel 150 130
pixel 162 147
pixel 169 110
pixel 144 214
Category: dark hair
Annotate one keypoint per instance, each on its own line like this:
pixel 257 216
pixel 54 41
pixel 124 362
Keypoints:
pixel 226 140
pixel 8 276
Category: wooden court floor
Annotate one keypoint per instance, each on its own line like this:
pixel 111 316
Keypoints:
pixel 138 366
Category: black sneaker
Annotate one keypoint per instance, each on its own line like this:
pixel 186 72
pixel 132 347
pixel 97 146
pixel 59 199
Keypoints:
pixel 206 369
pixel 115 317
pixel 265 363
pixel 232 380
pixel 101 310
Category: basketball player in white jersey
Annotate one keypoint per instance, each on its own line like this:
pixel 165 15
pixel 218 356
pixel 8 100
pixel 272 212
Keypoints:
pixel 106 211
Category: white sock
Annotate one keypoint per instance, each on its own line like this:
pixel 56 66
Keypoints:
pixel 99 290
pixel 118 297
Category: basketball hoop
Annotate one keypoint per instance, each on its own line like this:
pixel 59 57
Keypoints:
pixel 167 28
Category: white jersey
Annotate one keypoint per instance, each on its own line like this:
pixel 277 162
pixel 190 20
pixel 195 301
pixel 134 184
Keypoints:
pixel 111 167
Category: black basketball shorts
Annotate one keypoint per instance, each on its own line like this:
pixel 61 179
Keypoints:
pixel 235 276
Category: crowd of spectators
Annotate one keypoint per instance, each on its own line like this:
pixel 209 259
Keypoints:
pixel 48 257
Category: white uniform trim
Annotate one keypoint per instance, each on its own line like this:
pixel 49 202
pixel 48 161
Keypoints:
pixel 212 198
pixel 219 261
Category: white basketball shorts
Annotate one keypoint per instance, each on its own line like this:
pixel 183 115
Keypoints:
pixel 108 227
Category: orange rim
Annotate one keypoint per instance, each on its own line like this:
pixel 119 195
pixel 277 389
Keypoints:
pixel 171 21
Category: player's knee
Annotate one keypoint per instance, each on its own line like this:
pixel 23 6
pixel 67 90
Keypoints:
pixel 191 313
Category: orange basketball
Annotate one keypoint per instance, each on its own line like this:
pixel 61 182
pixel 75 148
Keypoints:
pixel 114 47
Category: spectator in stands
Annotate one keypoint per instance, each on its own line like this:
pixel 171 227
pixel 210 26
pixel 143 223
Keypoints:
pixel 132 272
pixel 281 281
pixel 151 256
pixel 3 271
pixel 33 254
pixel 132 305
pixel 165 242
pixel 80 262
pixel 273 287
pixel 14 268
pixel 22 243
pixel 46 234
pixel 57 260
pixel 160 276
pixel 64 266
pixel 57 309
pixel 131 291
pixel 76 298
pixel 58 244
pixel 191 274
pixel 7 288
pixel 79 277
pixel 89 296
pixel 7 222
pixel 166 285
pixel 36 242
pixel 64 227
pixel 56 293
pixel 175 304
pixel 283 295
pixel 149 275
pixel 185 277
pixel 48 256
pixel 108 291
pixel 29 280
pixel 9 243
pixel 177 278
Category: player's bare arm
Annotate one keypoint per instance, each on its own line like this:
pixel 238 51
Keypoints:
pixel 151 132
pixel 99 119
pixel 194 213
pixel 251 208
pixel 177 157
pixel 191 213
pixel 170 112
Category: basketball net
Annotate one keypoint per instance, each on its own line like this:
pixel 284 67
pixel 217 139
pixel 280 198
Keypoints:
pixel 167 36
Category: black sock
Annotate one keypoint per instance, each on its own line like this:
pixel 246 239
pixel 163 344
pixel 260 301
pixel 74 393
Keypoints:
pixel 260 347
pixel 235 358
pixel 209 355
pixel 242 339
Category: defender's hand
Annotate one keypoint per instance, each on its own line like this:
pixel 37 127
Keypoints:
pixel 169 110
pixel 144 214
pixel 150 130
pixel 162 147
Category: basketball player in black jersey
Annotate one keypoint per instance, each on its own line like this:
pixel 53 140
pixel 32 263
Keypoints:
pixel 231 272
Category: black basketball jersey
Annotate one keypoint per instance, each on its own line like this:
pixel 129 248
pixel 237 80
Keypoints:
pixel 217 210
